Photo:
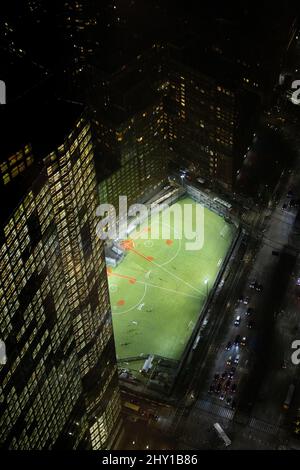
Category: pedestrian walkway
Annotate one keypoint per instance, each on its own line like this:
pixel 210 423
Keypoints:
pixel 215 409
pixel 263 426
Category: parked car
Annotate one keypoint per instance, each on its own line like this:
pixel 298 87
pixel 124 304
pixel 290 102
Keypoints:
pixel 227 384
pixel 237 359
pixel 255 285
pixel 237 321
pixel 237 340
pixel 243 300
pixel 229 361
pixel 293 203
pixel 229 346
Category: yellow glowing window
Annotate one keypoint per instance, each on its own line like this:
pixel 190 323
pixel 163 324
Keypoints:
pixel 12 160
pixel 6 178
pixel 14 172
pixel 21 167
pixel 3 167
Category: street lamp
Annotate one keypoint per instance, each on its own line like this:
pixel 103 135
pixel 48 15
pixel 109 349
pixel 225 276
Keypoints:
pixel 182 178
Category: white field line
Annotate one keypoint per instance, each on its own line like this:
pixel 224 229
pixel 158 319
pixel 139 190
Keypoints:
pixel 167 271
pixel 131 308
pixel 170 290
pixel 176 277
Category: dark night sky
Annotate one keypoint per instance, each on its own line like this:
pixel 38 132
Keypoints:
pixel 39 43
pixel 42 33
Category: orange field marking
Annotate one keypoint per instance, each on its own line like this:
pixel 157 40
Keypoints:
pixel 169 242
pixel 148 258
pixel 121 302
pixel 131 279
pixel 127 244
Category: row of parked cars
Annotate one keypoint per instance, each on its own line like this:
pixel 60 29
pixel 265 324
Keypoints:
pixel 291 202
pixel 238 319
pixel 238 341
pixel 224 385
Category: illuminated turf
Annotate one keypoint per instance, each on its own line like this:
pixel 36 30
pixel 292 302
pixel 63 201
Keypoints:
pixel 159 289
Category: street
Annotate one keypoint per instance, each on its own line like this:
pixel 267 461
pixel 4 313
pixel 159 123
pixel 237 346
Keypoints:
pixel 263 369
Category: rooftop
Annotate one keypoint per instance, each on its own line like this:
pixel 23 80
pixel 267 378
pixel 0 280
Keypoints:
pixel 39 120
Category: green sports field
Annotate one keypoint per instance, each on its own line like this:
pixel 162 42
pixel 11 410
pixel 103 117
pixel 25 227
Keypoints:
pixel 158 290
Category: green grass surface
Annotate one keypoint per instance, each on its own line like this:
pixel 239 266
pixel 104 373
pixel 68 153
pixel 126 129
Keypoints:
pixel 158 290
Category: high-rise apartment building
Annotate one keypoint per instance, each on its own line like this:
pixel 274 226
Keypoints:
pixel 211 119
pixel 141 162
pixel 173 111
pixel 59 386
pixel 132 146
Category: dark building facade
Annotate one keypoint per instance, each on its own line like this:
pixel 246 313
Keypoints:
pixel 140 156
pixel 59 386
pixel 172 114
pixel 211 121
